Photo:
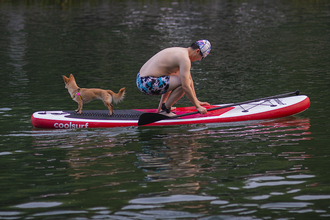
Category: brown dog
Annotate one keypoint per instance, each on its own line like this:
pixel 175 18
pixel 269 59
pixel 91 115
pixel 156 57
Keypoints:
pixel 83 95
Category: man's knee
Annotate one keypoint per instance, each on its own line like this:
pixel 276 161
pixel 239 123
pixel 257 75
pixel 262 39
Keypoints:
pixel 175 82
pixel 179 90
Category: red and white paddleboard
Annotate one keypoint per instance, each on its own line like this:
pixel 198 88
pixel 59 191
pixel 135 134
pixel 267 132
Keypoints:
pixel 258 109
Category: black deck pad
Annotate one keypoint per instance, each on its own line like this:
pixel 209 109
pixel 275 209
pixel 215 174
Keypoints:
pixel 104 114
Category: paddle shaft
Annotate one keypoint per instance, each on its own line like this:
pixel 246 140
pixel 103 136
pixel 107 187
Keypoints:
pixel 148 118
pixel 240 103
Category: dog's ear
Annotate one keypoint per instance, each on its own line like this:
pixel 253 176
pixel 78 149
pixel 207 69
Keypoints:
pixel 71 76
pixel 66 79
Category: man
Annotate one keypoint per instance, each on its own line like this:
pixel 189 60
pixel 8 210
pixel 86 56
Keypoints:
pixel 168 74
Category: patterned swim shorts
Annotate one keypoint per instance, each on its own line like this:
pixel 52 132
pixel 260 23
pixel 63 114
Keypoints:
pixel 151 85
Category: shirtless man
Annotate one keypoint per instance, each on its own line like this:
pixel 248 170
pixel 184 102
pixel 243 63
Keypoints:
pixel 168 74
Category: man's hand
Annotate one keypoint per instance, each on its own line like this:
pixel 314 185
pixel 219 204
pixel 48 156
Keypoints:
pixel 203 103
pixel 201 110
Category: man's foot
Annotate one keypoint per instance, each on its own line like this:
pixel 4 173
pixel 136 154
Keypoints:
pixel 166 111
pixel 169 114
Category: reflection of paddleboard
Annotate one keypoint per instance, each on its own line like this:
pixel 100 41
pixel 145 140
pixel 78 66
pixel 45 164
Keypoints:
pixel 254 110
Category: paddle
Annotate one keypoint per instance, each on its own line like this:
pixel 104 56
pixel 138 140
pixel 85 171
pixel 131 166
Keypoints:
pixel 148 118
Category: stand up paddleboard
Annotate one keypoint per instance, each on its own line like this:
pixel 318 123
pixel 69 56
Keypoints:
pixel 258 109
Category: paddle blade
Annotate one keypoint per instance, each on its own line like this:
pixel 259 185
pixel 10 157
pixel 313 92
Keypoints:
pixel 148 118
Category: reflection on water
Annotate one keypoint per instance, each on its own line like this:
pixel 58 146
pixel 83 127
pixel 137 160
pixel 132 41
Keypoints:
pixel 170 159
pixel 210 164
pixel 17 48
pixel 271 131
pixel 255 170
pixel 173 155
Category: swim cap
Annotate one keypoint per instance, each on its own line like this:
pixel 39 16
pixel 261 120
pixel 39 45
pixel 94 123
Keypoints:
pixel 204 46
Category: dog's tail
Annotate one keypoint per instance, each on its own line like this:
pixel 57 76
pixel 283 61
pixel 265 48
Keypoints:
pixel 117 97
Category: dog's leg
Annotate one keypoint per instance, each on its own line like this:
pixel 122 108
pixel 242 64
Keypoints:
pixel 109 106
pixel 77 110
pixel 111 109
pixel 80 106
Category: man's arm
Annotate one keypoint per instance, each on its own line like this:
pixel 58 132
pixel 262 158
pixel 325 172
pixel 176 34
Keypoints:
pixel 193 88
pixel 189 90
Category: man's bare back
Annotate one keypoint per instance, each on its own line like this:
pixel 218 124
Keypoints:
pixel 165 62
pixel 167 73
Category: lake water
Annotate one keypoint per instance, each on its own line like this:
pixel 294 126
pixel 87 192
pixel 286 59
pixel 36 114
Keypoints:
pixel 276 169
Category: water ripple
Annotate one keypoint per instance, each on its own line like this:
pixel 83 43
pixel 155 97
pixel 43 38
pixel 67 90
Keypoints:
pixel 173 198
pixel 311 197
pixel 30 205
pixel 252 185
pixel 285 205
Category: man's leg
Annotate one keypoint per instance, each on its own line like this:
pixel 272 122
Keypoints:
pixel 175 92
pixel 163 100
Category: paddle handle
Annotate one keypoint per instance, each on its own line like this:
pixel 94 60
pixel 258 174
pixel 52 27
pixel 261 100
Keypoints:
pixel 241 103
pixel 148 118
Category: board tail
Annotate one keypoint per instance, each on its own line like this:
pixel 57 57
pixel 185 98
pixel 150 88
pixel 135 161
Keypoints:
pixel 117 97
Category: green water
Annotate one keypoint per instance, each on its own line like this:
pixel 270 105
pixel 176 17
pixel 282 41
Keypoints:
pixel 275 169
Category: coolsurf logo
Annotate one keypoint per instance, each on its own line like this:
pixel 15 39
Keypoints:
pixel 70 125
